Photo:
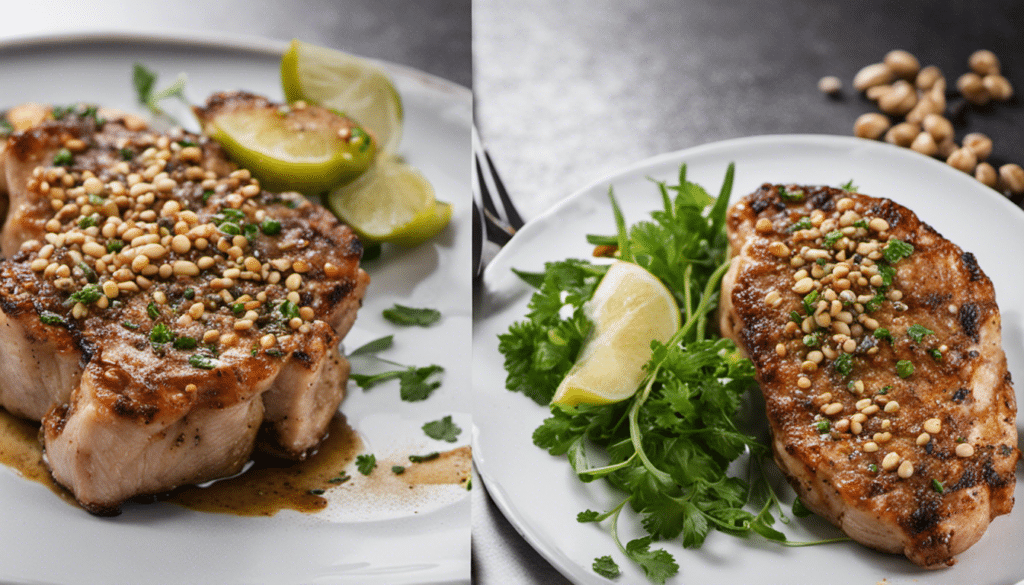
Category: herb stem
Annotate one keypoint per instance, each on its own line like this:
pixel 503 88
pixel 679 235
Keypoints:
pixel 634 429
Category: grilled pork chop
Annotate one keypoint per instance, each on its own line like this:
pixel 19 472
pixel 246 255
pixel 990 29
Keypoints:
pixel 877 347
pixel 161 312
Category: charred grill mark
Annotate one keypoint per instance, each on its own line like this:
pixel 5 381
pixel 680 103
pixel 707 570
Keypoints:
pixel 759 205
pixel 822 200
pixel 992 477
pixel 936 300
pixel 960 395
pixel 972 266
pixel 925 517
pixel 303 358
pixel 968 317
pixel 968 479
pixel 337 293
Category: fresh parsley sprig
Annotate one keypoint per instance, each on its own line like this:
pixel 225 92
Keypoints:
pixel 144 80
pixel 415 383
pixel 669 447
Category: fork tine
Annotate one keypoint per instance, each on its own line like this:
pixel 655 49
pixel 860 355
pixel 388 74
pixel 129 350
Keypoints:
pixel 511 213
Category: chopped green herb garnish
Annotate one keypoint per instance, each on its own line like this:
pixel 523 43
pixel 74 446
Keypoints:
pixel 88 294
pixel 316 492
pixel 606 567
pixel 821 262
pixel 897 250
pixel 144 81
pixel 238 308
pixel 422 458
pixel 937 486
pixel 811 340
pixel 129 325
pixel 375 346
pixel 849 186
pixel 872 468
pixel 274 352
pixel 50 318
pixel 342 477
pixel 936 354
pixel 917 332
pixel 250 231
pixel 289 310
pixel 203 362
pixel 366 463
pixel 785 195
pixel 795 317
pixel 270 227
pixel 152 311
pixel 883 334
pixel 96 199
pixel 402 315
pixel 5 127
pixel 186 143
pixel 803 224
pixel 875 302
pixel 832 237
pixel 397 469
pixel 231 229
pixel 127 154
pixel 185 343
pixel 190 293
pixel 844 364
pixel 88 272
pixel 861 223
pixel 206 195
pixel 887 273
pixel 809 300
pixel 160 334
pixel 823 426
pixel 904 368
pixel 89 221
pixel 63 158
pixel 885 390
pixel 443 430
pixel 413 382
pixel 114 246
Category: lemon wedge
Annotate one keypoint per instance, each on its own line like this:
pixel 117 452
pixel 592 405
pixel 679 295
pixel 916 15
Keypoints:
pixel 391 202
pixel 629 309
pixel 355 87
pixel 310 150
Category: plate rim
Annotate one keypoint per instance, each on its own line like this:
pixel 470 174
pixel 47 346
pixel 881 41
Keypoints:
pixel 832 140
pixel 177 38
pixel 432 88
pixel 494 489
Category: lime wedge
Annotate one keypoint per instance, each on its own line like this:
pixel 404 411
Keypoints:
pixel 630 308
pixel 311 150
pixel 391 202
pixel 350 85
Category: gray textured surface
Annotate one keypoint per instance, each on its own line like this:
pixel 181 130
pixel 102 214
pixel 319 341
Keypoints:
pixel 570 91
pixel 430 35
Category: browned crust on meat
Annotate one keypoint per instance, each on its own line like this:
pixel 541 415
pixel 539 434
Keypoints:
pixel 968 390
pixel 134 379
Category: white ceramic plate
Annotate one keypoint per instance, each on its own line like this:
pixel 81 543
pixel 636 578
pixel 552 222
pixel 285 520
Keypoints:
pixel 539 493
pixel 43 540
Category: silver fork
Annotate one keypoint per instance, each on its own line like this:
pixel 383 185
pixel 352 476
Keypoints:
pixel 495 218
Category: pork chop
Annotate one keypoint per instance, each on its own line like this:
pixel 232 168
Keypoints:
pixel 161 312
pixel 877 347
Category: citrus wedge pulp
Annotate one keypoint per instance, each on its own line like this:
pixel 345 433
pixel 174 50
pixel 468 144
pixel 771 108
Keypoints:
pixel 391 202
pixel 310 150
pixel 355 87
pixel 629 309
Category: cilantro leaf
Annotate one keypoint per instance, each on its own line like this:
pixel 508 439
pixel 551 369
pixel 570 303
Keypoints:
pixel 588 516
pixel 832 237
pixel 843 364
pixel 897 250
pixel 144 81
pixel 657 564
pixel 904 368
pixel 443 430
pixel 377 345
pixel 917 332
pixel 413 381
pixel 803 224
pixel 402 315
pixel 849 186
pixel 606 567
pixel 366 463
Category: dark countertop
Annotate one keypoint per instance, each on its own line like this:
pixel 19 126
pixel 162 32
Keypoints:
pixel 567 92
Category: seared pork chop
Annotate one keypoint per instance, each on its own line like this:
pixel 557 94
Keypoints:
pixel 160 311
pixel 877 347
